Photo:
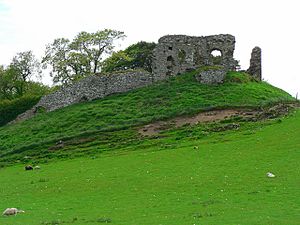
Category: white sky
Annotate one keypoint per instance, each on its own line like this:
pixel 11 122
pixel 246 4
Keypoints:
pixel 271 24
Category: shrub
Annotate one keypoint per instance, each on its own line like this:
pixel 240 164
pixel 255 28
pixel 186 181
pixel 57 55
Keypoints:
pixel 10 109
pixel 238 77
pixel 138 55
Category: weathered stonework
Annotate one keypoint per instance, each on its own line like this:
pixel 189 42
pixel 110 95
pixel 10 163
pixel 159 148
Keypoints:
pixel 173 55
pixel 176 54
pixel 255 63
pixel 211 76
pixel 95 87
pixel 90 88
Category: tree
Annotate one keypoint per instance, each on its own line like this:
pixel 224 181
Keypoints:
pixel 25 65
pixel 118 61
pixel 5 86
pixel 81 57
pixel 141 52
pixel 57 56
pixel 15 78
pixel 138 55
pixel 22 68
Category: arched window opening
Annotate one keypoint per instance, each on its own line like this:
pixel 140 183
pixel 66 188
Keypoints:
pixel 216 56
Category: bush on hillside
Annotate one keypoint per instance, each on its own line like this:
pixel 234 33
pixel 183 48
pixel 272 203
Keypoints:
pixel 10 109
pixel 238 77
pixel 37 89
pixel 138 55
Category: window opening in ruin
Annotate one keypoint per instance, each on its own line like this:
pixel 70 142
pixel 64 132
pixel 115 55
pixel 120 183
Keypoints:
pixel 216 56
pixel 216 53
pixel 170 58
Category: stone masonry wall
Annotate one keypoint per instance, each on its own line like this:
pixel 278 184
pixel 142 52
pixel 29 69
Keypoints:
pixel 211 76
pixel 176 54
pixel 95 87
pixel 90 88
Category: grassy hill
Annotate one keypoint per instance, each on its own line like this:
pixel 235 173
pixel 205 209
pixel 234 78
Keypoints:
pixel 207 173
pixel 223 181
pixel 109 122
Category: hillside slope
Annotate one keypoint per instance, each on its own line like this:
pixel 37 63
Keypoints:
pixel 108 122
pixel 185 177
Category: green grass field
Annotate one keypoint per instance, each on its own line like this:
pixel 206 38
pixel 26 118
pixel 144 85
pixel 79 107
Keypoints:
pixel 193 175
pixel 222 182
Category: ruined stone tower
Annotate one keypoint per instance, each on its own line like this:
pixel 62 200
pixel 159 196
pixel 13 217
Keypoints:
pixel 255 63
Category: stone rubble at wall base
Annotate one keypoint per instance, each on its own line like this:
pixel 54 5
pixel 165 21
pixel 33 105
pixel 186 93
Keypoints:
pixel 211 76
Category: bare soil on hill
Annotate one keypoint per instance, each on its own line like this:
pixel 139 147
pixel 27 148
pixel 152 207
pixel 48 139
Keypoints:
pixel 217 115
pixel 202 117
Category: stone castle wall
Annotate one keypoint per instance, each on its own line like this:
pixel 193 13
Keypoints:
pixel 95 87
pixel 90 88
pixel 176 54
pixel 211 76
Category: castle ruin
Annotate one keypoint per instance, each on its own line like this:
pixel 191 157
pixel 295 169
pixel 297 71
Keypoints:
pixel 177 54
pixel 173 55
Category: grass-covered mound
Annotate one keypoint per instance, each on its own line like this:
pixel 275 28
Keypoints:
pixel 110 120
pixel 197 179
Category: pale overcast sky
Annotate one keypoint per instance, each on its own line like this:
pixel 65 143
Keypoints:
pixel 271 24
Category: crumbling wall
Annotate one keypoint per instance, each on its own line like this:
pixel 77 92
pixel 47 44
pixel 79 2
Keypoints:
pixel 176 54
pixel 95 87
pixel 255 63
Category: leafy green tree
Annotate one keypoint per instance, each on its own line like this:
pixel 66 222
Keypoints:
pixel 6 86
pixel 141 53
pixel 95 45
pixel 15 79
pixel 11 86
pixel 21 70
pixel 36 89
pixel 25 66
pixel 138 55
pixel 57 56
pixel 71 60
pixel 118 61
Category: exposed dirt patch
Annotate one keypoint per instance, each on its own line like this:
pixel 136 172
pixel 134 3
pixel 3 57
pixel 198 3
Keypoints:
pixel 203 117
pixel 218 115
